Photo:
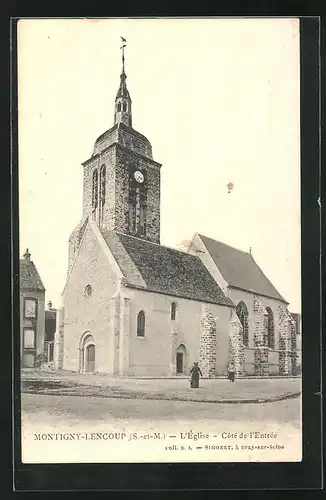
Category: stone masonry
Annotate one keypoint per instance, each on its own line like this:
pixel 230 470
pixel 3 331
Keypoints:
pixel 286 331
pixel 59 340
pixel 236 347
pixel 260 339
pixel 174 345
pixel 114 311
pixel 207 351
pixel 126 161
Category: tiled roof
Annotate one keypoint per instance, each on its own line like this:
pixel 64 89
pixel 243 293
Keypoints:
pixel 29 277
pixel 164 270
pixel 239 269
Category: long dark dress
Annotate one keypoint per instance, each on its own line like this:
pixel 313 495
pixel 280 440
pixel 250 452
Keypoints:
pixel 231 374
pixel 195 372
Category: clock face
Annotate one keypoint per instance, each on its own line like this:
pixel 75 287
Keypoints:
pixel 139 176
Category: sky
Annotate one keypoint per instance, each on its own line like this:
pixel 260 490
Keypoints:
pixel 219 100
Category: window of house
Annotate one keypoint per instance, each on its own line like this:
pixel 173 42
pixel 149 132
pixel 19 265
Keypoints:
pixel 88 290
pixel 30 308
pixel 141 324
pixel 270 328
pixel 119 106
pixel 29 338
pixel 125 107
pixel 95 189
pixel 173 310
pixel 242 313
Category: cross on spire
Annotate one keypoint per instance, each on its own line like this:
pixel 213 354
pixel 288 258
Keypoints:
pixel 122 101
pixel 123 45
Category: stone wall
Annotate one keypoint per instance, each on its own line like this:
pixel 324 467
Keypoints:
pixel 114 327
pixel 260 339
pixel 286 327
pixel 126 160
pixel 207 351
pixel 124 335
pixel 174 345
pixel 59 340
pixel 90 312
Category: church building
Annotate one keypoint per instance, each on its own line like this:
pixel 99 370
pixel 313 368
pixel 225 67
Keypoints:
pixel 133 307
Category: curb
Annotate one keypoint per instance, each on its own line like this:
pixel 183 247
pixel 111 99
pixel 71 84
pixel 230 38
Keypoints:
pixel 142 396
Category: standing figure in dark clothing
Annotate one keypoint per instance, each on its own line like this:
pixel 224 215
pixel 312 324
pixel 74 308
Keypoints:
pixel 195 372
pixel 231 371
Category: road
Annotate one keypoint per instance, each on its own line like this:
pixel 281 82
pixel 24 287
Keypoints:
pixel 73 409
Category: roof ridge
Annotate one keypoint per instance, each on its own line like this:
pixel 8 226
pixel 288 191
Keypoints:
pixel 157 244
pixel 225 244
pixel 169 271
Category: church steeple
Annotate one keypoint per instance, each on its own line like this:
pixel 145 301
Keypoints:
pixel 122 113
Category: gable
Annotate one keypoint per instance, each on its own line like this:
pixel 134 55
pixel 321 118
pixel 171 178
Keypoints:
pixel 29 277
pixel 93 263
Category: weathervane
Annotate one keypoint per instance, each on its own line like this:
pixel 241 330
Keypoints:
pixel 124 44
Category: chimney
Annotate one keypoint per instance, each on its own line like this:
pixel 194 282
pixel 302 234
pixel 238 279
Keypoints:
pixel 49 305
pixel 27 255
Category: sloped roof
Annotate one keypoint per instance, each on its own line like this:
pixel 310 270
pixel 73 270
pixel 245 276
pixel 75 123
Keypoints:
pixel 239 269
pixel 29 277
pixel 164 270
pixel 127 137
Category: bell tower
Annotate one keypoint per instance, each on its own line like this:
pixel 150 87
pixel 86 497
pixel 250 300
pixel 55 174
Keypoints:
pixel 121 181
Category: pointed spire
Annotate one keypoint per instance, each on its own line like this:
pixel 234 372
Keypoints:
pixel 122 100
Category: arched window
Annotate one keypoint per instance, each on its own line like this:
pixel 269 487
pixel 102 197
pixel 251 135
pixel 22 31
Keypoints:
pixel 102 183
pixel 95 189
pixel 119 106
pixel 173 310
pixel 270 328
pixel 142 219
pixel 132 216
pixel 102 190
pixel 242 313
pixel 141 324
pixel 125 107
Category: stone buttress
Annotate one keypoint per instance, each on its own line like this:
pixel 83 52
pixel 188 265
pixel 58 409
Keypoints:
pixel 236 347
pixel 208 343
pixel 260 339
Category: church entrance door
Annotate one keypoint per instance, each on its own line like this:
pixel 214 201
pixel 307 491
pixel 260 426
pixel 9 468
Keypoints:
pixel 90 358
pixel 180 359
pixel 179 362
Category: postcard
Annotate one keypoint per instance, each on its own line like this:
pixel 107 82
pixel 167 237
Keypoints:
pixel 160 240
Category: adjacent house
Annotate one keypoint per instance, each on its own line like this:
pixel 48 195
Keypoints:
pixel 32 319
